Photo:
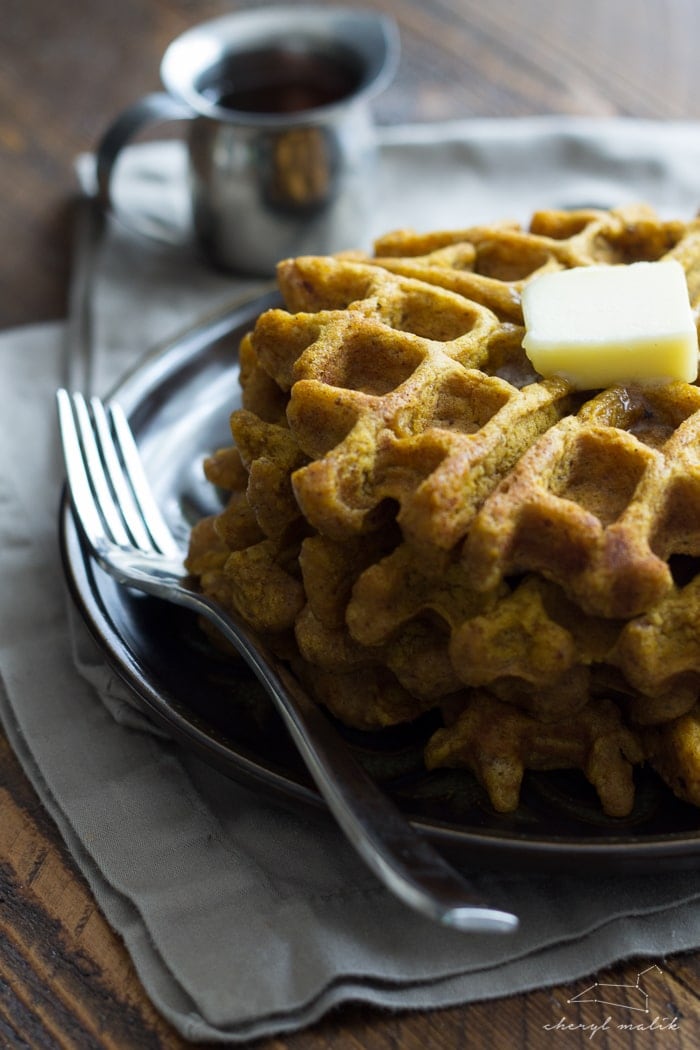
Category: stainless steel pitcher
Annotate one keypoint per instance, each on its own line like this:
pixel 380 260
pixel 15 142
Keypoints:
pixel 281 144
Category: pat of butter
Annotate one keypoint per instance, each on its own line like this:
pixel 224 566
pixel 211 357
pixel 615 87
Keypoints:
pixel 598 326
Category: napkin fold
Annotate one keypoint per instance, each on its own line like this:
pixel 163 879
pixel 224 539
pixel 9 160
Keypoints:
pixel 246 917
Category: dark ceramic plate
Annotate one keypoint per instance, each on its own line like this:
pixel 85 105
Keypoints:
pixel 179 401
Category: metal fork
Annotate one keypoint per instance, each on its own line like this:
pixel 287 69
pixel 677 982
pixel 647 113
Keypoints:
pixel 128 536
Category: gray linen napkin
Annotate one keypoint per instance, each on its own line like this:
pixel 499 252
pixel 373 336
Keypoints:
pixel 245 917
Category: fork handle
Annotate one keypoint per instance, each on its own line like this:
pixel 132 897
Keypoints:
pixel 404 861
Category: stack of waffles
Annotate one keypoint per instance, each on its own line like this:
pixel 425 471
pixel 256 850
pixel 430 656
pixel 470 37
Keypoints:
pixel 416 520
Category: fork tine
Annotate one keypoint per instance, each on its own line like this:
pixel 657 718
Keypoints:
pixel 120 484
pixel 104 498
pixel 90 491
pixel 140 486
pixel 78 481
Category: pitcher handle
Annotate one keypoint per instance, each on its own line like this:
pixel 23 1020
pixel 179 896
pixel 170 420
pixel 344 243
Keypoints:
pixel 156 107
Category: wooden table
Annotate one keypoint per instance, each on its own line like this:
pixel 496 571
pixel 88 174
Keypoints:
pixel 65 70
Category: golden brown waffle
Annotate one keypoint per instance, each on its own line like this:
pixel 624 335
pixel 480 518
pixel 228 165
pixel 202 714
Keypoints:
pixel 498 742
pixel 418 520
pixel 601 502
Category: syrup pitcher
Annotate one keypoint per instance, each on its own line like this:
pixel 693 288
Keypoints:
pixel 281 144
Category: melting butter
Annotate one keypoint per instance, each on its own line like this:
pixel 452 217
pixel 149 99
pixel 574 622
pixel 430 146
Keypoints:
pixel 599 326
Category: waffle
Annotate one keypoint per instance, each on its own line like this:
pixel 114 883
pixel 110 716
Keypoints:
pixel 418 521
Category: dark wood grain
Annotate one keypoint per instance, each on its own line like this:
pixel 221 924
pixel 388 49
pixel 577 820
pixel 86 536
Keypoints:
pixel 66 69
